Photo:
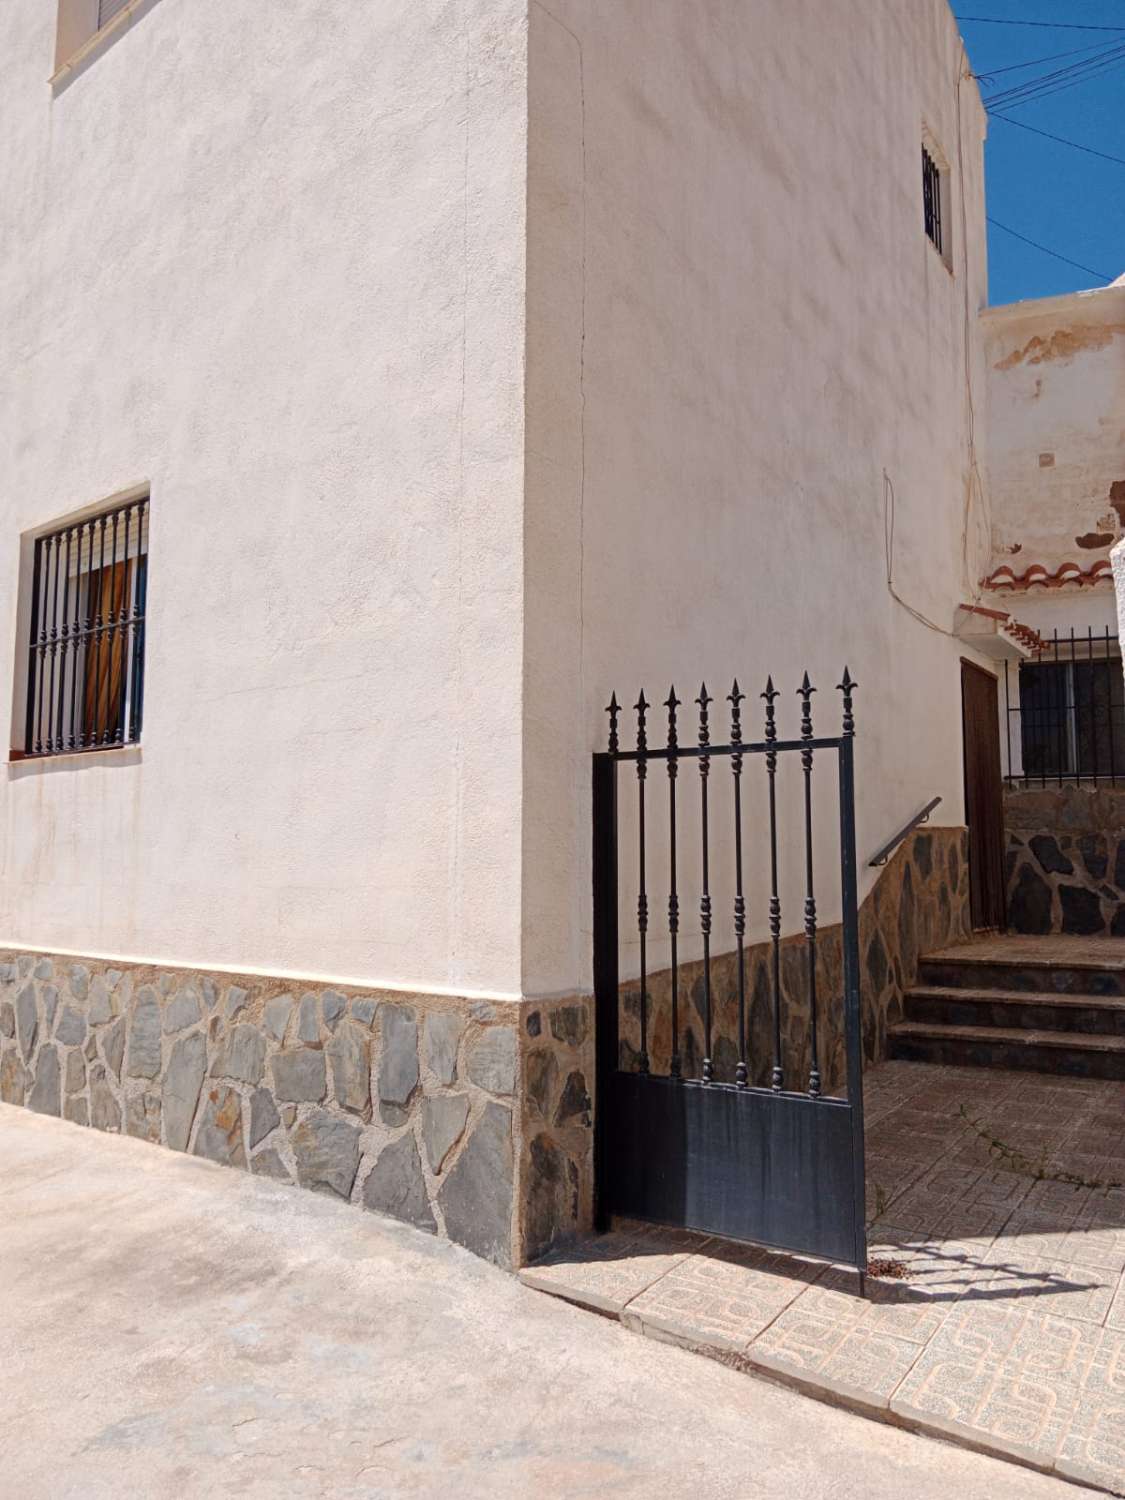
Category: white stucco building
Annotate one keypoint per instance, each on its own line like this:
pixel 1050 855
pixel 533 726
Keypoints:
pixel 451 367
pixel 476 361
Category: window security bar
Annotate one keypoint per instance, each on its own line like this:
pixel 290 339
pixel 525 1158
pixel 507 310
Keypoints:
pixel 1065 712
pixel 85 672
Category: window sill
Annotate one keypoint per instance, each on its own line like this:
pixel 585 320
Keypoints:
pixel 20 765
pixel 94 44
pixel 940 256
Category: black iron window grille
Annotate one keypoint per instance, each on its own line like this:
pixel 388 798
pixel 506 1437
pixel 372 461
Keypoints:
pixel 931 200
pixel 85 652
pixel 1066 712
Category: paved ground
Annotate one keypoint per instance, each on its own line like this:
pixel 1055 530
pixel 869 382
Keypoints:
pixel 172 1328
pixel 1009 1329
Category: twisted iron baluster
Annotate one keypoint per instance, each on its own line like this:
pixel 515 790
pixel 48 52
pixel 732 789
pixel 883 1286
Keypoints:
pixel 672 703
pixel 705 899
pixel 777 1079
pixel 642 898
pixel 735 698
pixel 805 692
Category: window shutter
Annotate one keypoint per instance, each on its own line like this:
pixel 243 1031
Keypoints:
pixel 107 9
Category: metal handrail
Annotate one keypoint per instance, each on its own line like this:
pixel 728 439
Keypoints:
pixel 888 849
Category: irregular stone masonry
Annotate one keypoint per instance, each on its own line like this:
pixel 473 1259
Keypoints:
pixel 920 902
pixel 469 1119
pixel 413 1106
pixel 1066 859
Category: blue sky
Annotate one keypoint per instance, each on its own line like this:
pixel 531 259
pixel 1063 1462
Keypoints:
pixel 1071 202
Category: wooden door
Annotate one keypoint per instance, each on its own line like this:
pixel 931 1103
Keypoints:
pixel 984 797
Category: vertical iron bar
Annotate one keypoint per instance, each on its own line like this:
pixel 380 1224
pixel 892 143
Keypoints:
pixel 642 892
pixel 1112 747
pixel 110 734
pixel 777 1078
pixel 78 648
pixel 60 743
pixel 853 1019
pixel 29 727
pixel 88 652
pixel 1073 719
pixel 705 898
pixel 1058 712
pixel 1093 708
pixel 672 703
pixel 605 975
pixel 43 646
pixel 735 698
pixel 140 593
pixel 805 692
pixel 123 625
pixel 100 638
pixel 1008 720
pixel 54 633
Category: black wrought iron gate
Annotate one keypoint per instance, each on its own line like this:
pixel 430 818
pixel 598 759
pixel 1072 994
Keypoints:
pixel 767 1156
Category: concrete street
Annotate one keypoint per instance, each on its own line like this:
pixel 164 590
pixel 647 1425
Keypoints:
pixel 172 1328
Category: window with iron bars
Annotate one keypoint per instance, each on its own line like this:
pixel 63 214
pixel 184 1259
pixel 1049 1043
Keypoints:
pixel 85 652
pixel 1067 722
pixel 931 200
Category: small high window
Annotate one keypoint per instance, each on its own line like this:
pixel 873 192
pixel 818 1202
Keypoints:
pixel 932 192
pixel 86 648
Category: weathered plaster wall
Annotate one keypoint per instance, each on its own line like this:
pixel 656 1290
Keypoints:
pixel 275 268
pixel 1066 859
pixel 736 324
pixel 1056 444
pixel 464 1118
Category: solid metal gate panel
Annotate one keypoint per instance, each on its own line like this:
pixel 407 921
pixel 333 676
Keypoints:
pixel 770 1164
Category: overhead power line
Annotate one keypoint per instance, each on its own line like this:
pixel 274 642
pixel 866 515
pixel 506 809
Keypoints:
pixel 1034 62
pixel 1050 25
pixel 1102 275
pixel 1062 140
pixel 1060 78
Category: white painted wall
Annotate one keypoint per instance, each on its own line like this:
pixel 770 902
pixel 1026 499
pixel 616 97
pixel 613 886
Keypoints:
pixel 270 259
pixel 736 324
pixel 301 278
pixel 1056 386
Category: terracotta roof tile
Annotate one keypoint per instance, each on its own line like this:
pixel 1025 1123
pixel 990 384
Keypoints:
pixel 1037 576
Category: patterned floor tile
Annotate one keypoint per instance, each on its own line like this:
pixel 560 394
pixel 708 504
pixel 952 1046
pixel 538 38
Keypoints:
pixel 722 1299
pixel 852 1359
pixel 607 1271
pixel 1007 1325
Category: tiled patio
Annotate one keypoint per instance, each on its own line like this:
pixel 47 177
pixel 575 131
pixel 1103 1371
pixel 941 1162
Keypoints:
pixel 1007 1329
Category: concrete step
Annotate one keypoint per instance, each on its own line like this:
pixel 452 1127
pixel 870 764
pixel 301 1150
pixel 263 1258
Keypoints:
pixel 937 1005
pixel 1029 975
pixel 1068 1052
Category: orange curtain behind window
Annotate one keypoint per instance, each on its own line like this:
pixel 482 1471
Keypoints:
pixel 103 709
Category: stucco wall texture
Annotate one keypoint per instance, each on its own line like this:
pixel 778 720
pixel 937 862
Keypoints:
pixel 1056 465
pixel 274 267
pixel 482 357
pixel 740 345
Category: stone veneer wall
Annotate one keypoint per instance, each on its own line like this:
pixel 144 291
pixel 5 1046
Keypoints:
pixel 469 1119
pixel 1066 859
pixel 921 902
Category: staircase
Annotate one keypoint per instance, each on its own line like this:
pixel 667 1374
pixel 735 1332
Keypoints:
pixel 1054 1005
